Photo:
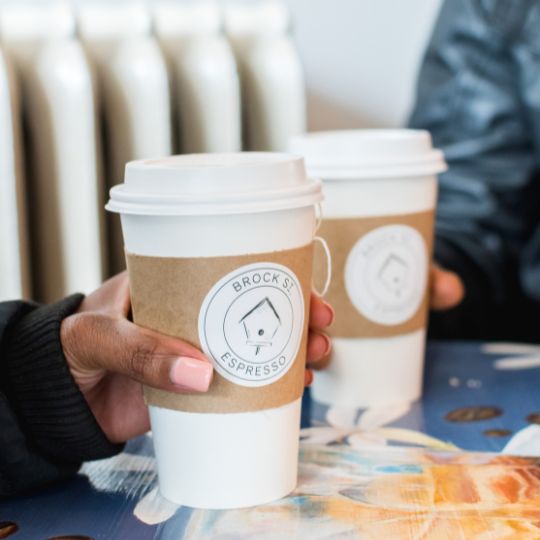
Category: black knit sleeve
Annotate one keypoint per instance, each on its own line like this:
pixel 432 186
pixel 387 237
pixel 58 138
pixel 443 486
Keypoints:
pixel 46 426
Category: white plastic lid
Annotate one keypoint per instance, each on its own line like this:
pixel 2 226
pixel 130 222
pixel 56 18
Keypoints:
pixel 215 184
pixel 368 153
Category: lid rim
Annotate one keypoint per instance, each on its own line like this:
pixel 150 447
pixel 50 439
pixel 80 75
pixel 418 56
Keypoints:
pixel 352 173
pixel 120 192
pixel 433 156
pixel 124 202
pixel 217 210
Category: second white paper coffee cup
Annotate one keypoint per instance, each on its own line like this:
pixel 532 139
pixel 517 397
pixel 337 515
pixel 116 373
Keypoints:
pixel 207 206
pixel 380 193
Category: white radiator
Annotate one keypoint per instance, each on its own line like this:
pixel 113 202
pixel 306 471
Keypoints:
pixel 100 84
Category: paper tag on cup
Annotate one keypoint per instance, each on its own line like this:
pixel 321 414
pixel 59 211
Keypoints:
pixel 251 323
pixel 380 277
pixel 249 313
pixel 386 274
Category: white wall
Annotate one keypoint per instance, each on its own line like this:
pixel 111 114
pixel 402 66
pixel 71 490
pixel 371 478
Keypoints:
pixel 361 58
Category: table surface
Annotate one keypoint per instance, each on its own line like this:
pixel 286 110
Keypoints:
pixel 118 498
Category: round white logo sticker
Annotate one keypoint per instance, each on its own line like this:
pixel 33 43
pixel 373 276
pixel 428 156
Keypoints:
pixel 386 274
pixel 251 323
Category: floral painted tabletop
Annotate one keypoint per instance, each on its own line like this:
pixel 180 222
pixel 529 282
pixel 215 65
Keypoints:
pixel 464 462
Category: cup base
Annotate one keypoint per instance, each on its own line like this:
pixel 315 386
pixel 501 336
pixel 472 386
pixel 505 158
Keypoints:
pixel 200 504
pixel 224 461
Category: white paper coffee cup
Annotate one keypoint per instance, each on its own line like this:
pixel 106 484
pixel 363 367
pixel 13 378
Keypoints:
pixel 380 194
pixel 192 209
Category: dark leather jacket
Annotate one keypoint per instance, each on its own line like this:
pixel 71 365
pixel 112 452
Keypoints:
pixel 479 96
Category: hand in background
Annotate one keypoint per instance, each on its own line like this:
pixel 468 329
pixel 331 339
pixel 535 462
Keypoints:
pixel 109 357
pixel 319 344
pixel 447 290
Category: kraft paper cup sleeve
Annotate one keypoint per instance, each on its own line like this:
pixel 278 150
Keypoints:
pixel 167 294
pixel 341 236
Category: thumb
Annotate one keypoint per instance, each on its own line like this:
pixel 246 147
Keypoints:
pixel 447 289
pixel 94 341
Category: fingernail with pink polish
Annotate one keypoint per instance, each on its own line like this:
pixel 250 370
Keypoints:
pixel 328 343
pixel 331 313
pixel 191 374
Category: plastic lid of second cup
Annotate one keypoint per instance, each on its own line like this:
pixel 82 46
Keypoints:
pixel 368 153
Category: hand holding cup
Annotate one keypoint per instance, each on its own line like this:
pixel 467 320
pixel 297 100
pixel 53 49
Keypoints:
pixel 109 357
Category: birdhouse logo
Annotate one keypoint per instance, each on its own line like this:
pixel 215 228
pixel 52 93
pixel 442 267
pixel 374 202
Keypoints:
pixel 261 324
pixel 251 323
pixel 394 274
pixel 386 274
